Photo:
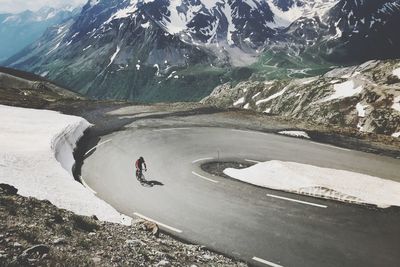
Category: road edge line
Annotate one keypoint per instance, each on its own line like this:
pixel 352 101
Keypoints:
pixel 170 129
pixel 266 262
pixel 86 185
pixel 298 201
pixel 251 160
pixel 161 224
pixel 100 144
pixel 337 147
pixel 197 160
pixel 205 178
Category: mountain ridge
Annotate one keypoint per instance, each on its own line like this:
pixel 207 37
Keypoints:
pixel 21 29
pixel 364 97
pixel 180 50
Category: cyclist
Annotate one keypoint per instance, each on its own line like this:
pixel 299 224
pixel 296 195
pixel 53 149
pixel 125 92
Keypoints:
pixel 139 167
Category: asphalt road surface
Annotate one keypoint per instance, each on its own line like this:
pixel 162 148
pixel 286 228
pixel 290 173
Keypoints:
pixel 261 226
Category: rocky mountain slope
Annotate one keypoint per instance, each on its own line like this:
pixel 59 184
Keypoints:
pixel 36 233
pixel 367 30
pixel 31 90
pixel 19 30
pixel 168 50
pixel 365 97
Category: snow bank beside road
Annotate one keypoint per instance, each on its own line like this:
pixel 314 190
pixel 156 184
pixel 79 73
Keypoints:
pixel 301 134
pixel 31 142
pixel 321 182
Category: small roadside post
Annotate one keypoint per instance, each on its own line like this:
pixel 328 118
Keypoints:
pixel 218 159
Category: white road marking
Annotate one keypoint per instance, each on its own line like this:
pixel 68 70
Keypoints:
pixel 267 262
pixel 321 144
pixel 205 178
pixel 170 129
pixel 298 201
pixel 250 160
pixel 93 148
pixel 197 160
pixel 87 186
pixel 161 224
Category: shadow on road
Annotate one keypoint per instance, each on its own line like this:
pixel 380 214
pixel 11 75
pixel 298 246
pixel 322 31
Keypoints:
pixel 148 183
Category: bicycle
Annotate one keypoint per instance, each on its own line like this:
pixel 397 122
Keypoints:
pixel 140 176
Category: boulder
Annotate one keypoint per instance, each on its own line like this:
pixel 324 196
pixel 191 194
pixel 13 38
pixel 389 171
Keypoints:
pixel 151 227
pixel 8 189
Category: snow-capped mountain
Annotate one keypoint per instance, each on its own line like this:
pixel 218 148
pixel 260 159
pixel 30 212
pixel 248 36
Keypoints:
pixel 240 23
pixel 181 49
pixel 365 29
pixel 19 30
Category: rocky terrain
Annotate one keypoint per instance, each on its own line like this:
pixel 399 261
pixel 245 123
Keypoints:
pixel 365 97
pixel 29 87
pixel 36 233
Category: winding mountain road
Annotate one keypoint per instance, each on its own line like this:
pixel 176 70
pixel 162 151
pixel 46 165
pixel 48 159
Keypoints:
pixel 261 226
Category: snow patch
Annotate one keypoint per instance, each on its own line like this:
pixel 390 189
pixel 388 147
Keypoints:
pixel 87 47
pixel 396 134
pixel 36 157
pixel 396 72
pixel 268 110
pixel 124 13
pixel 309 80
pixel 361 110
pixel 209 4
pixel 295 134
pixel 177 20
pixel 283 18
pixel 61 29
pixel 231 25
pixel 239 101
pixel 146 25
pixel 54 48
pixel 343 90
pixel 271 97
pixel 13 19
pixel 158 69
pixel 324 182
pixel 255 96
pixel 360 126
pixel 268 82
pixel 396 103
pixel 44 74
pixel 114 55
pixel 334 81
pixel 171 75
pixel 93 2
